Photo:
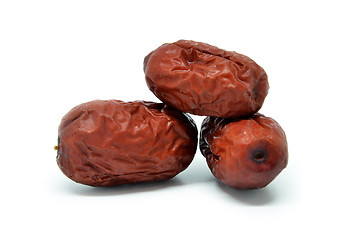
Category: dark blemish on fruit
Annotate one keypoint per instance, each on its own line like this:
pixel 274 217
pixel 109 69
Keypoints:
pixel 259 156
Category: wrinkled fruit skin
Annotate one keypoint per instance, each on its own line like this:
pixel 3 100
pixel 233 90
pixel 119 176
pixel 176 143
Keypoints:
pixel 201 79
pixel 244 153
pixel 107 143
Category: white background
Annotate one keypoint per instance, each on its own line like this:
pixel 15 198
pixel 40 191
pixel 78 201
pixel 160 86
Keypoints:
pixel 57 54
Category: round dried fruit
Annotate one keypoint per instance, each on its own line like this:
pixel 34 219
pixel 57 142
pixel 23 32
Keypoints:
pixel 106 143
pixel 244 153
pixel 201 79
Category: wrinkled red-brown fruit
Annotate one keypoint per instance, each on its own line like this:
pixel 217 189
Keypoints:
pixel 201 79
pixel 245 153
pixel 106 143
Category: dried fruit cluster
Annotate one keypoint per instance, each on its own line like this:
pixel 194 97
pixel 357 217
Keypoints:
pixel 106 143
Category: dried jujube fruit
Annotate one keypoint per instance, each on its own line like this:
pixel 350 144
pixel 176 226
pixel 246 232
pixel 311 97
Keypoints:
pixel 201 79
pixel 244 152
pixel 106 143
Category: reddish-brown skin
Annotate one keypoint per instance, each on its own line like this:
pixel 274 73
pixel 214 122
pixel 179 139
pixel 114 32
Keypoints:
pixel 107 143
pixel 245 153
pixel 201 79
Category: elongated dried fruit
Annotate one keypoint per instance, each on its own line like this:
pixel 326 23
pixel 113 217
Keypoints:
pixel 245 152
pixel 204 80
pixel 107 143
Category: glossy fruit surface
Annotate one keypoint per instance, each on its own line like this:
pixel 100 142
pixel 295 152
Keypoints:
pixel 201 79
pixel 245 153
pixel 106 143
